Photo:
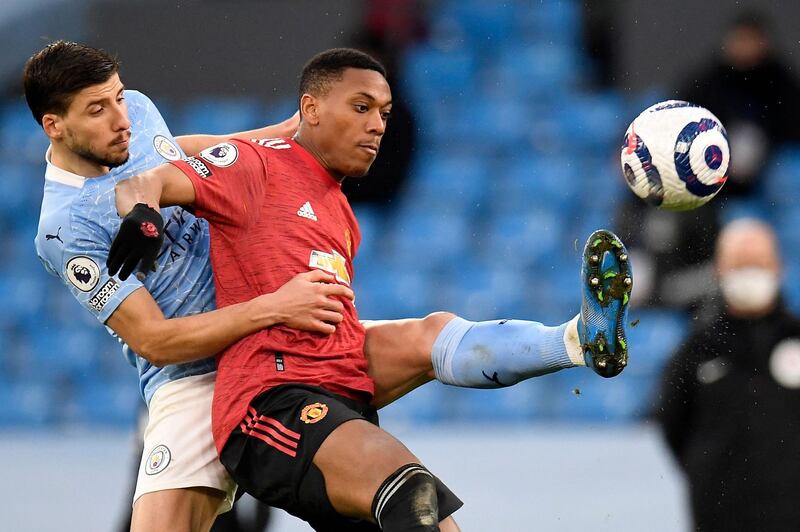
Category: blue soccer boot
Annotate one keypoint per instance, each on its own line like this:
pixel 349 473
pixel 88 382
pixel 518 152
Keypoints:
pixel 607 280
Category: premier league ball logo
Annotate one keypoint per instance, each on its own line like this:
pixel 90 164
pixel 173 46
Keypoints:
pixel 221 155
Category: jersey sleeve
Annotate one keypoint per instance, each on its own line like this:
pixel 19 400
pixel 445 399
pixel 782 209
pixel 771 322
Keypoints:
pixel 229 181
pixel 81 265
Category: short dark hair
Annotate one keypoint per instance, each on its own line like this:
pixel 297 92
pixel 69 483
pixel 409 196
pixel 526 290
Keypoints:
pixel 56 73
pixel 330 65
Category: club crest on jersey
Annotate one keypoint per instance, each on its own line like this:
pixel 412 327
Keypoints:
pixel 313 413
pixel 332 263
pixel 348 242
pixel 158 460
pixel 166 148
pixel 82 272
pixel 221 155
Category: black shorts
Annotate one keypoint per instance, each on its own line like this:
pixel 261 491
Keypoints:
pixel 270 454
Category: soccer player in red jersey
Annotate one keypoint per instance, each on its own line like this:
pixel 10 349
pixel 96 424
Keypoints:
pixel 275 208
pixel 291 416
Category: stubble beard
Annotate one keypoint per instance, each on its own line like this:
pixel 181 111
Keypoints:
pixel 85 151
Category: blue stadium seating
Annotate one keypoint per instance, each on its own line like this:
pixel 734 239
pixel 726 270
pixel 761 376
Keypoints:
pixel 480 292
pixel 424 239
pixel 515 166
pixel 524 238
pixel 27 403
pixel 754 207
pixel 550 181
pixel 548 22
pixel 21 138
pixel 447 184
pixel 390 290
pixel 372 223
pixel 523 403
pixel 581 395
pixel 480 23
pixel 69 352
pixel 107 402
pixel 782 177
pixel 536 72
pixel 218 116
pixel 596 122
pixel 429 73
pixel 657 336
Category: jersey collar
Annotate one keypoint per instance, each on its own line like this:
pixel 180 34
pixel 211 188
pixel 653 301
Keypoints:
pixel 54 173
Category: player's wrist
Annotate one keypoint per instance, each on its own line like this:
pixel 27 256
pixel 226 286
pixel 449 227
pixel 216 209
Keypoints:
pixel 265 311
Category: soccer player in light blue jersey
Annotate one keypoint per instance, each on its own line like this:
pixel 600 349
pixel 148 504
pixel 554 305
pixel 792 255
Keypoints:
pixel 93 133
pixel 101 133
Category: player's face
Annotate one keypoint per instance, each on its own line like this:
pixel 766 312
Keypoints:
pixel 352 121
pixel 96 125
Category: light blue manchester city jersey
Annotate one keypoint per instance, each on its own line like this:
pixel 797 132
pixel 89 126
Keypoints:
pixel 79 220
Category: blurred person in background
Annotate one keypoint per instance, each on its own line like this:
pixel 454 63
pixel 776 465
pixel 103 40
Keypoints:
pixel 673 252
pixel 389 29
pixel 729 404
pixel 753 92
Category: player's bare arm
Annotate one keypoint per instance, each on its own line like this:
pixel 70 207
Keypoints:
pixel 163 186
pixel 306 302
pixel 194 144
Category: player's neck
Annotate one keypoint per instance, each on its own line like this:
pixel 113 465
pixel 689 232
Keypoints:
pixel 311 148
pixel 65 159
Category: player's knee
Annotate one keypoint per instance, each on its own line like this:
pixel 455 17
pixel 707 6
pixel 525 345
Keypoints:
pixel 407 501
pixel 437 320
pixel 430 326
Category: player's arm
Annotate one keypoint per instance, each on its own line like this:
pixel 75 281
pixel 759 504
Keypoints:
pixel 194 144
pixel 162 186
pixel 226 187
pixel 307 302
pixel 141 233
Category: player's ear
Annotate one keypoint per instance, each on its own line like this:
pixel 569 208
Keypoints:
pixel 309 109
pixel 53 126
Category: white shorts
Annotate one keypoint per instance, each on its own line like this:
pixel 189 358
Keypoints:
pixel 179 449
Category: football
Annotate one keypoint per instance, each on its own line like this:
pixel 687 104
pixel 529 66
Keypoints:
pixel 675 155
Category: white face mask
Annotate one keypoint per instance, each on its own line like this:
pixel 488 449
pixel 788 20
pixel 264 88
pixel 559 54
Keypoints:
pixel 750 289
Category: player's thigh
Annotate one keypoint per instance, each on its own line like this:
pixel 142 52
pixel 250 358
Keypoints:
pixel 399 354
pixel 179 457
pixel 355 459
pixel 177 510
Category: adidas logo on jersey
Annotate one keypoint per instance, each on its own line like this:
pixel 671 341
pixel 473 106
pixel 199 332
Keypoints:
pixel 307 212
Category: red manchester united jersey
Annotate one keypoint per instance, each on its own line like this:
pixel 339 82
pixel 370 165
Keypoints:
pixel 275 212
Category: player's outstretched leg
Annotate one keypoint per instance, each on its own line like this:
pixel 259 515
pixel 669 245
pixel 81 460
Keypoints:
pixel 404 354
pixel 607 280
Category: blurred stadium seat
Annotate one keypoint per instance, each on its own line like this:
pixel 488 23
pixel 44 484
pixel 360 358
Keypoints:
pixel 220 115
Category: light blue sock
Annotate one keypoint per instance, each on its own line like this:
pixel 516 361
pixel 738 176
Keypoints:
pixel 495 354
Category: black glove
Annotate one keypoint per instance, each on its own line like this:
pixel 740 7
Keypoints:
pixel 140 237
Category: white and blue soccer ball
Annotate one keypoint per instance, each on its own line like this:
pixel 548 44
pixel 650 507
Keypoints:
pixel 675 155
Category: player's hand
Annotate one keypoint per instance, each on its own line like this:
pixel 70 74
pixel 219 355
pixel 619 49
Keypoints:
pixel 311 301
pixel 292 124
pixel 138 242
